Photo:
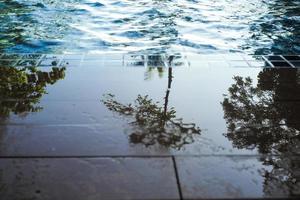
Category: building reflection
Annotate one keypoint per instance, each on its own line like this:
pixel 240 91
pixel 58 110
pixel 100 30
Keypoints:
pixel 153 123
pixel 266 117
pixel 22 87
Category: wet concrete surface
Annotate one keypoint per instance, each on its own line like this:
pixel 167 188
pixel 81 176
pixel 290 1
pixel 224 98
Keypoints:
pixel 97 178
pixel 190 123
pixel 237 177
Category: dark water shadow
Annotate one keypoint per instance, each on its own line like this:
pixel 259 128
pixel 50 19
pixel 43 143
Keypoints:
pixel 266 117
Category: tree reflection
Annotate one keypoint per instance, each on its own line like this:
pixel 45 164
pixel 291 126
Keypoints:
pixel 22 88
pixel 266 117
pixel 283 178
pixel 153 123
pixel 263 116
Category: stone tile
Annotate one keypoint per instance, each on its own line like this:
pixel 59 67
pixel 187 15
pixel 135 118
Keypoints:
pixel 221 63
pixel 155 60
pixel 200 64
pixel 281 64
pixel 106 56
pixel 97 140
pixel 54 56
pixel 273 58
pixel 11 56
pixel 292 57
pixel 8 63
pixel 234 57
pixel 68 60
pixel 237 64
pixel 252 57
pixel 57 113
pixel 65 62
pixel 214 57
pixel 115 137
pixel 28 63
pixel 50 61
pixel 259 64
pixel 74 56
pixel 77 140
pixel 81 179
pixel 33 56
pixel 195 57
pixel 295 63
pixel 238 177
pixel 142 63
pixel 102 63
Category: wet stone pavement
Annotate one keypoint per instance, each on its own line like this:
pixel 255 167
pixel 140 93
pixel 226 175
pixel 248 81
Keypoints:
pixel 182 126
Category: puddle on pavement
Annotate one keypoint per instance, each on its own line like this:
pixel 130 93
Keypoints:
pixel 141 106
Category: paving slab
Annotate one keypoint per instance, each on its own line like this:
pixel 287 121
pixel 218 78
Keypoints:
pixel 238 177
pixel 81 179
pixel 71 140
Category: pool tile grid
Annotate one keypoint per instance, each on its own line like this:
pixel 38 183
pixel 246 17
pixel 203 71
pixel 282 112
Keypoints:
pixel 231 60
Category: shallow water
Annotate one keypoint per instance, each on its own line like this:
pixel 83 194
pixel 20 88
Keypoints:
pixel 72 108
pixel 223 26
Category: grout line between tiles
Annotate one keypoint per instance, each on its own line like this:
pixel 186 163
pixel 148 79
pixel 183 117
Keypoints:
pixel 141 156
pixel 287 61
pixel 177 178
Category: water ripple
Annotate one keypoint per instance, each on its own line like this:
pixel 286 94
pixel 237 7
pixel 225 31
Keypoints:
pixel 216 26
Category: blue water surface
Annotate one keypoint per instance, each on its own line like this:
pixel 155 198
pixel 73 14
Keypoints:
pixel 151 26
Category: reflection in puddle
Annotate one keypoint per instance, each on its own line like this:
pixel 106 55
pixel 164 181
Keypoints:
pixel 266 117
pixel 154 124
pixel 156 61
pixel 283 178
pixel 21 88
pixel 261 112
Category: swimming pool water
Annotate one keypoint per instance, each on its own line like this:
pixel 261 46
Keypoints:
pixel 150 26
